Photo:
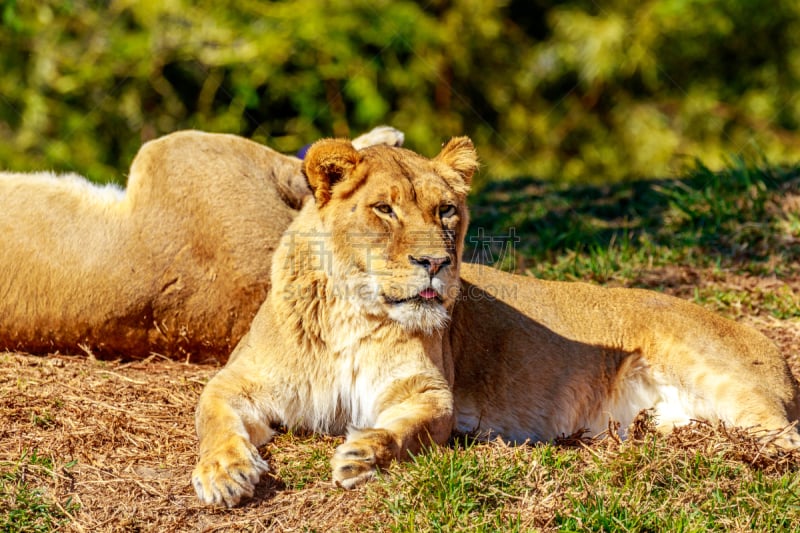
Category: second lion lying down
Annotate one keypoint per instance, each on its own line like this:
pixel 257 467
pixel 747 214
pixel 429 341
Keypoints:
pixel 374 328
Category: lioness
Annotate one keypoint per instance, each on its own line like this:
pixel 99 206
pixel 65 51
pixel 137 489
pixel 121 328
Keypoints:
pixel 370 331
pixel 178 263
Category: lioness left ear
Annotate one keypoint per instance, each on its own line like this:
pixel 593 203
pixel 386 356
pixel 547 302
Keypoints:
pixel 326 163
pixel 460 155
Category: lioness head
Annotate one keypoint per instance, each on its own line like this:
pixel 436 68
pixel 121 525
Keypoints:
pixel 397 222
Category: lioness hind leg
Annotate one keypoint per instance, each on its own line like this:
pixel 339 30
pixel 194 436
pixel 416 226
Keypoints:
pixel 766 415
pixel 784 439
pixel 723 396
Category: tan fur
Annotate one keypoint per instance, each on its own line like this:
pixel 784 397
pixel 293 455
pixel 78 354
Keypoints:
pixel 342 345
pixel 345 339
pixel 176 264
pixel 180 263
pixel 542 359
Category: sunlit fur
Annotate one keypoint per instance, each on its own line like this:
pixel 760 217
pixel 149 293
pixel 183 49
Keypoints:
pixel 351 337
pixel 540 359
pixel 165 265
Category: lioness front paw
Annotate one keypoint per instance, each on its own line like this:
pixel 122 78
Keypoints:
pixel 357 460
pixel 228 473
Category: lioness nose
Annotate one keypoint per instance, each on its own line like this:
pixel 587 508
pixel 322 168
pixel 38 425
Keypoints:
pixel 431 264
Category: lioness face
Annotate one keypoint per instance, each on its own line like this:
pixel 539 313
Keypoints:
pixel 397 222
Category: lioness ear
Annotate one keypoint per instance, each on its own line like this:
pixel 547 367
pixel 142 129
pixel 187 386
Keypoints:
pixel 460 155
pixel 326 163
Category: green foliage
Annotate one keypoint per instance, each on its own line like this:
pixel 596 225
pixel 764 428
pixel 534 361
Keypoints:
pixel 569 91
pixel 24 506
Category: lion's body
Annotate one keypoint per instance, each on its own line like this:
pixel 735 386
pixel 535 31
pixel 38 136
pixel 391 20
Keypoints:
pixel 351 338
pixel 542 359
pixel 178 263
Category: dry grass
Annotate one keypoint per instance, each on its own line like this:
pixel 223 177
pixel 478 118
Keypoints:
pixel 129 429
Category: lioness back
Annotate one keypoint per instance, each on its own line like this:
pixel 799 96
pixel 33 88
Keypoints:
pixel 177 263
pixel 537 360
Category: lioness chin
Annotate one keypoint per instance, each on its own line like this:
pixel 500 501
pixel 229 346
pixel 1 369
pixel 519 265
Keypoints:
pixel 374 329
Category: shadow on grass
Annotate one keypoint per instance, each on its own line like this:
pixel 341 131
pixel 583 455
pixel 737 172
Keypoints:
pixel 729 217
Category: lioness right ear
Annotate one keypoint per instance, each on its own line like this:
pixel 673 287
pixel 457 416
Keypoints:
pixel 460 155
pixel 326 163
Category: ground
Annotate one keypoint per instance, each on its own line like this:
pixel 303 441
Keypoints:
pixel 110 445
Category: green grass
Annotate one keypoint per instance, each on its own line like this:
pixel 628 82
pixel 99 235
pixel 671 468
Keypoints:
pixel 654 488
pixel 24 503
pixel 730 219
pixel 781 303
pixel 299 471
pixel 446 488
pixel 651 484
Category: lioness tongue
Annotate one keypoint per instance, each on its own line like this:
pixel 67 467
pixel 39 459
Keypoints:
pixel 428 294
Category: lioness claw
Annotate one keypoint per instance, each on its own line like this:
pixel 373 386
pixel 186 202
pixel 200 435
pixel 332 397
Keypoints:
pixel 225 476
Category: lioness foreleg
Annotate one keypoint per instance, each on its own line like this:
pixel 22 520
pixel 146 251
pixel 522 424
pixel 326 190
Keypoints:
pixel 412 413
pixel 229 425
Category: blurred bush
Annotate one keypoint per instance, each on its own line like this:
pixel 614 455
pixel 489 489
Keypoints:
pixel 568 91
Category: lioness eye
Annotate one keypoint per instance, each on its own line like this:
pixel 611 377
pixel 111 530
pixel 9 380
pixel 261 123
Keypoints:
pixel 385 209
pixel 447 211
